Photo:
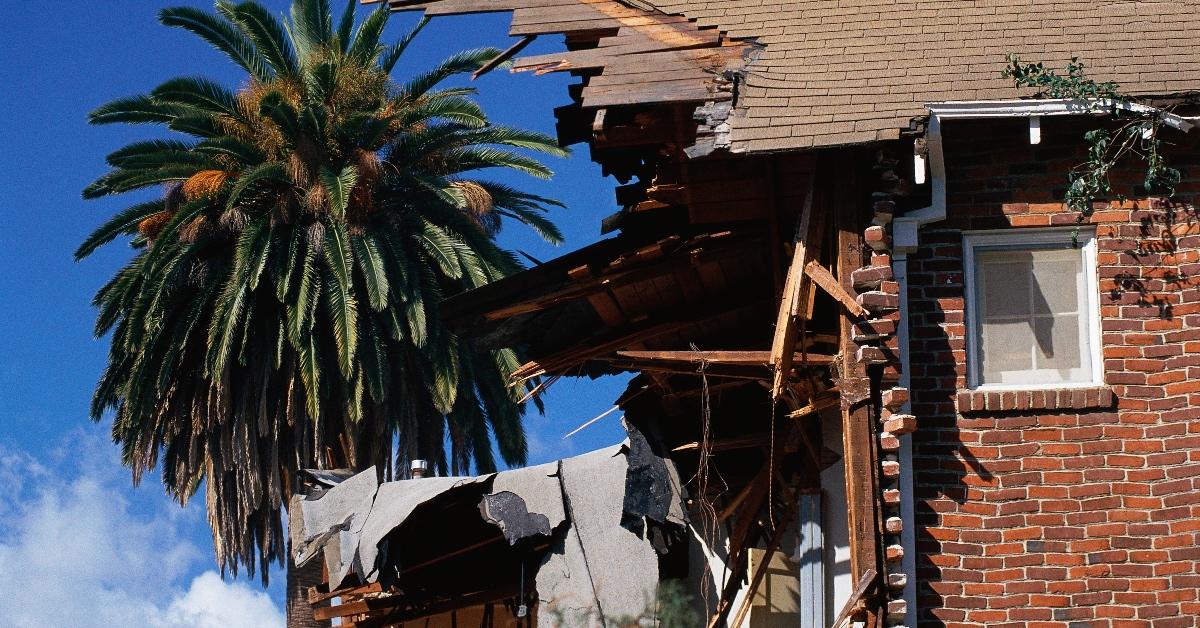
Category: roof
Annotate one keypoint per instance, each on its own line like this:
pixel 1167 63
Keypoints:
pixel 847 71
pixel 837 72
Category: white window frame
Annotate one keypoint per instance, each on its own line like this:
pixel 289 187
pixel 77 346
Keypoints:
pixel 1019 239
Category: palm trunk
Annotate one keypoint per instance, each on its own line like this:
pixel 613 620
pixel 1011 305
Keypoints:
pixel 299 579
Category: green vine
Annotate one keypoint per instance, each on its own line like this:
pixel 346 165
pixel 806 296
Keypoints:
pixel 1138 138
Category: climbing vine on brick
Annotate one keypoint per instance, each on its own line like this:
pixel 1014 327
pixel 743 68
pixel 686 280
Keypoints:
pixel 1137 138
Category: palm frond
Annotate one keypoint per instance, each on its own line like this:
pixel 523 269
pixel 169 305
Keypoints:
pixel 122 180
pixel 365 47
pixel 372 268
pixel 200 93
pixel 270 172
pixel 136 110
pixel 483 157
pixel 520 138
pixel 134 155
pixel 343 315
pixel 345 26
pixel 220 34
pixel 244 152
pixel 311 26
pixel 267 34
pixel 392 54
pixel 124 222
pixel 339 186
pixel 338 257
pixel 462 63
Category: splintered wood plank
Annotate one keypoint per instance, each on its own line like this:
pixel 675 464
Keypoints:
pixel 795 294
pixel 652 93
pixel 825 279
pixel 597 58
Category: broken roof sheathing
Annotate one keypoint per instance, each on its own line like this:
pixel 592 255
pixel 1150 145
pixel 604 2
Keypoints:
pixel 594 562
pixel 838 72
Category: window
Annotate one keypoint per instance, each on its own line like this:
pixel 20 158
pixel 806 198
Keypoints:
pixel 1032 309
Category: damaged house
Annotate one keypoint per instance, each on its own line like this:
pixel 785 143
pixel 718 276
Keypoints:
pixel 886 375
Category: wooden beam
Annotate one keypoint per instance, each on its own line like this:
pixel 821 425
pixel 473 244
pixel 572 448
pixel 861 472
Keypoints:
pixel 739 539
pixel 825 279
pixel 749 358
pixel 737 500
pixel 795 294
pixel 507 54
pixel 612 340
pixel 393 611
pixel 316 596
pixel 858 441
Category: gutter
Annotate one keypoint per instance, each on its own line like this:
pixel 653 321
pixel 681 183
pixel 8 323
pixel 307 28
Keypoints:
pixel 906 237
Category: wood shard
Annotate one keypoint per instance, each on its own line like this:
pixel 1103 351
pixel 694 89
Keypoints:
pixel 507 54
pixel 825 279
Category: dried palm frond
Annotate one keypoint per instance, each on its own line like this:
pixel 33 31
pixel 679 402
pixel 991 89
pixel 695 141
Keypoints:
pixel 193 229
pixel 316 199
pixel 233 219
pixel 362 197
pixel 479 205
pixel 297 170
pixel 477 200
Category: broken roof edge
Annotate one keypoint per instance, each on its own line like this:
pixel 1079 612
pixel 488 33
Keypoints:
pixel 712 64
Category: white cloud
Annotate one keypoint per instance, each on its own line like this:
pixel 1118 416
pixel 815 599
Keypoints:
pixel 212 603
pixel 78 551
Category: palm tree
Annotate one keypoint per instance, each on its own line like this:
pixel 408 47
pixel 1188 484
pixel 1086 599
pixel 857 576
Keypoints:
pixel 279 312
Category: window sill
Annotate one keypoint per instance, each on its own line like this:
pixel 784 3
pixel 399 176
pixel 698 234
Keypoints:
pixel 1077 398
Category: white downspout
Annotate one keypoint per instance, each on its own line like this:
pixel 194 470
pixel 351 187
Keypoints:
pixel 905 236
pixel 908 534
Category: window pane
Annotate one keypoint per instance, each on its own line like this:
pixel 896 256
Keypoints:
pixel 1006 348
pixel 1056 278
pixel 1004 278
pixel 1058 343
pixel 1032 317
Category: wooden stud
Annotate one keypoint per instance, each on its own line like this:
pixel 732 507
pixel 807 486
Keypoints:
pixel 795 296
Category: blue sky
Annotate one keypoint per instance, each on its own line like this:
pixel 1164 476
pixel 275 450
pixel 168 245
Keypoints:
pixel 59 479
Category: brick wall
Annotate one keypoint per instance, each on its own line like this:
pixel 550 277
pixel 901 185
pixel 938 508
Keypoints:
pixel 1060 510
